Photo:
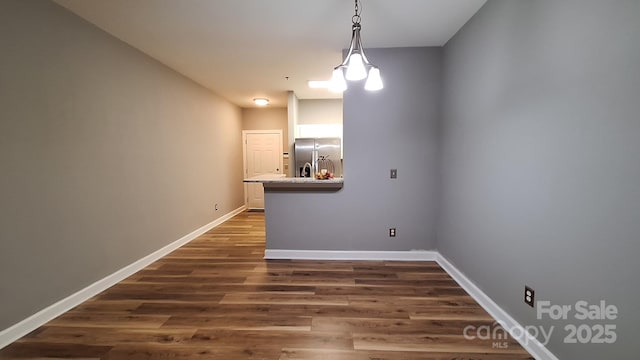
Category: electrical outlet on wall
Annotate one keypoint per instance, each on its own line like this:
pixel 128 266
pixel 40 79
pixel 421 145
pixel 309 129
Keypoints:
pixel 529 296
pixel 392 232
pixel 394 173
pixel 216 207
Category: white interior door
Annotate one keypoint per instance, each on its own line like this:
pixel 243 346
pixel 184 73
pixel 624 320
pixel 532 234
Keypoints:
pixel 263 155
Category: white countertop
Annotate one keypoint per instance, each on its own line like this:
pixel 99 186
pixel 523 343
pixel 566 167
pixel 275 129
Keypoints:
pixel 282 181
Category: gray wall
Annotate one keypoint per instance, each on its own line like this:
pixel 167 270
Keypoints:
pixel 393 128
pixel 105 155
pixel 541 165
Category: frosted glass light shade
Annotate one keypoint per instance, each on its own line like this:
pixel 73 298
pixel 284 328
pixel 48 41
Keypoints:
pixel 261 101
pixel 374 81
pixel 338 83
pixel 355 68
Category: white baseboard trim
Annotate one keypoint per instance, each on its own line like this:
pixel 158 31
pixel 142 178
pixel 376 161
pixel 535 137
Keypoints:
pixel 530 343
pixel 413 255
pixel 15 332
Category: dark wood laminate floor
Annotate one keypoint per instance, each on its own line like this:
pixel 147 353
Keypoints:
pixel 216 298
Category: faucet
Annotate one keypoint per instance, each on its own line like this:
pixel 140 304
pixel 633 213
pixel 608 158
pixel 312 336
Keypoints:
pixel 303 173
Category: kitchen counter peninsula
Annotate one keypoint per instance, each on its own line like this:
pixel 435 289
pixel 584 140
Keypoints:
pixel 280 181
pixel 307 199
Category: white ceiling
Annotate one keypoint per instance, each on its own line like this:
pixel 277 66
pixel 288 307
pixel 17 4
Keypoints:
pixel 242 49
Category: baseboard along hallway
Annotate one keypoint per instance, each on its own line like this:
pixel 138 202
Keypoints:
pixel 216 297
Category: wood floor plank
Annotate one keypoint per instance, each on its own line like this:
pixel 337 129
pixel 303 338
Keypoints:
pixel 274 339
pixel 412 301
pixel 115 306
pixel 107 336
pixel 430 343
pixel 321 354
pixel 217 298
pixel 444 313
pixel 383 291
pixel 109 319
pixel 285 298
pixel 29 350
pixel 345 311
pixel 393 326
pixel 252 322
pixel 190 352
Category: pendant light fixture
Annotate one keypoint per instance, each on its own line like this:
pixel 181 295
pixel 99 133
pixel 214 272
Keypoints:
pixel 356 66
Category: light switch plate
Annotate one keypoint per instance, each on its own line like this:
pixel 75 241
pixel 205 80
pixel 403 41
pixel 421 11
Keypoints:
pixel 394 173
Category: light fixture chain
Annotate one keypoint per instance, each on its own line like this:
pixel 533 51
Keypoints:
pixel 355 19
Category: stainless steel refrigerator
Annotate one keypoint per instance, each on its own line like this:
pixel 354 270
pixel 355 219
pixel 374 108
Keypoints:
pixel 314 154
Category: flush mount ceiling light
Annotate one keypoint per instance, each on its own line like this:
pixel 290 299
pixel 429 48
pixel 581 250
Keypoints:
pixel 355 66
pixel 261 101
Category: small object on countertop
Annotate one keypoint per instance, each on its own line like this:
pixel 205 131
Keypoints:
pixel 326 176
